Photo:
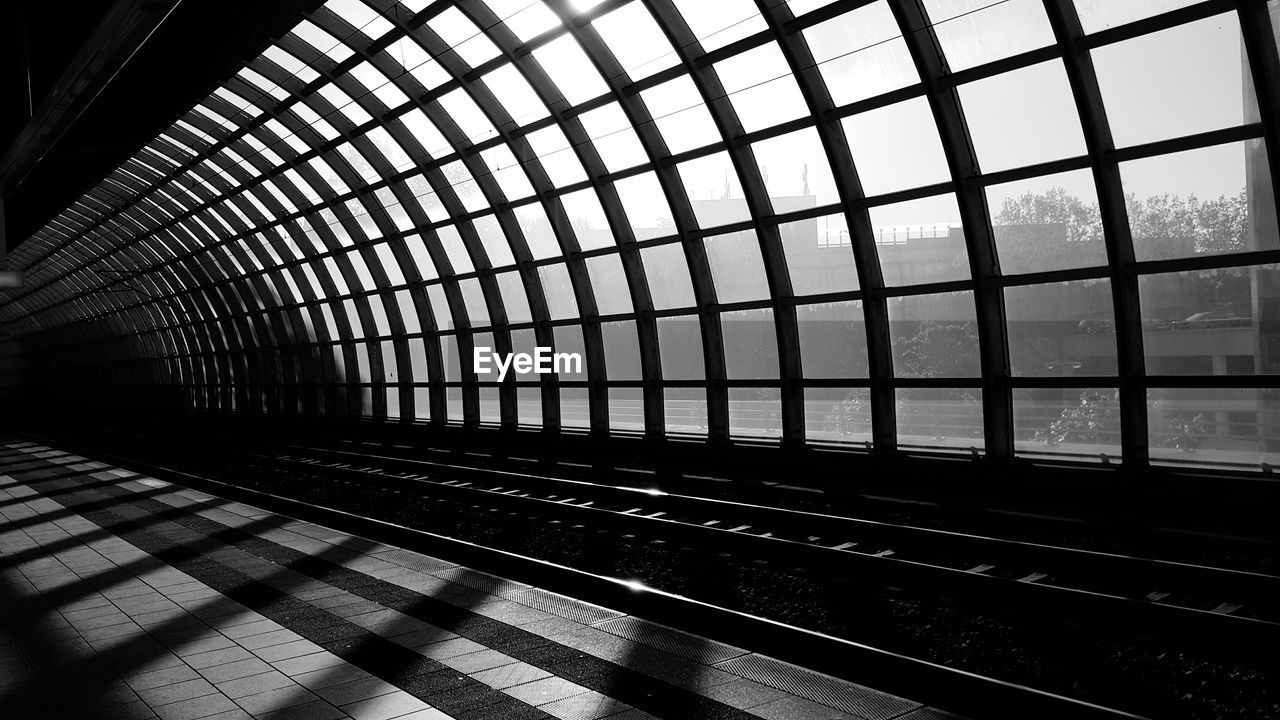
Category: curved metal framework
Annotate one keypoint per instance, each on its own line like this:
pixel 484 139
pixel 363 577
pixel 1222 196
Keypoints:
pixel 693 195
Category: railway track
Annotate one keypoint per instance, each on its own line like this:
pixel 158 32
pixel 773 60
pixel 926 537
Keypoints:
pixel 1143 595
pixel 1205 603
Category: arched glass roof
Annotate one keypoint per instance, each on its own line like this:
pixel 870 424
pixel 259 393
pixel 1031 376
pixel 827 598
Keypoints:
pixel 1039 228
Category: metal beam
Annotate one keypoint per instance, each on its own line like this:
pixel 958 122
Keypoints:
pixel 124 29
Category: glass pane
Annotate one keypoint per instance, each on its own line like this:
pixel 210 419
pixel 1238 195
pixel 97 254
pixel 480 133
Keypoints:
pixel 469 117
pixel 861 53
pixel 494 241
pixel 677 108
pixel 507 172
pixel 1047 223
pixel 516 95
pixel 556 156
pixel 755 412
pixel 514 299
pixel 527 20
pixel 575 408
pixel 529 406
pixel 452 359
pixel 621 350
pixel 750 344
pixel 453 246
pixel 800 7
pixel 1061 329
pixel 570 69
pixel 609 282
pixel 1098 15
pixel 523 341
pixel 837 415
pixel 714 190
pixel 490 406
pixel 736 267
pixel 453 404
pixel 896 147
pixel 568 339
pixel 1154 89
pixel 440 308
pixel 1212 322
pixel 934 336
pixel 626 408
pixel 795 171
pixel 1023 117
pixel 1211 201
pixel 558 289
pixel 680 346
pixel 636 40
pixel 819 255
pixel 760 86
pixel 972 36
pixel 616 141
pixel 1219 427
pixel 645 206
pixel 928 247
pixel 833 340
pixel 421 404
pixel 473 296
pixel 722 22
pixel 1050 422
pixel 538 234
pixel 667 271
pixel 588 220
pixel 685 411
pixel 940 419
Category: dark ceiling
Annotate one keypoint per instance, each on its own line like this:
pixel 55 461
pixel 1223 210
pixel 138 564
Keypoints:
pixel 201 43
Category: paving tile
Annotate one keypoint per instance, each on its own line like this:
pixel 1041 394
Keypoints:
pixel 200 707
pixel 268 639
pixel 307 663
pixel 385 707
pixel 475 662
pixel 265 702
pixel 217 657
pixel 418 638
pixel 516 673
pixel 795 708
pixel 235 670
pixel 196 646
pixel 633 714
pixel 586 706
pixel 546 690
pixel 450 648
pixel 159 678
pixel 317 710
pixel 236 714
pixel 256 627
pixel 354 690
pixel 254 684
pixel 744 694
pixel 137 710
pixel 149 662
pixel 173 692
pixel 334 675
pixel 105 620
pixel 426 714
pixel 287 650
pixel 112 631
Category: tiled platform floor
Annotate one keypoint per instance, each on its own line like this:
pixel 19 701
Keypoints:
pixel 127 597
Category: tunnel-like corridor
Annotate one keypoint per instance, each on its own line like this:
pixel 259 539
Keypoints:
pixel 898 324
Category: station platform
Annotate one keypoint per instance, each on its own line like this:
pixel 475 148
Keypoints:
pixel 129 597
